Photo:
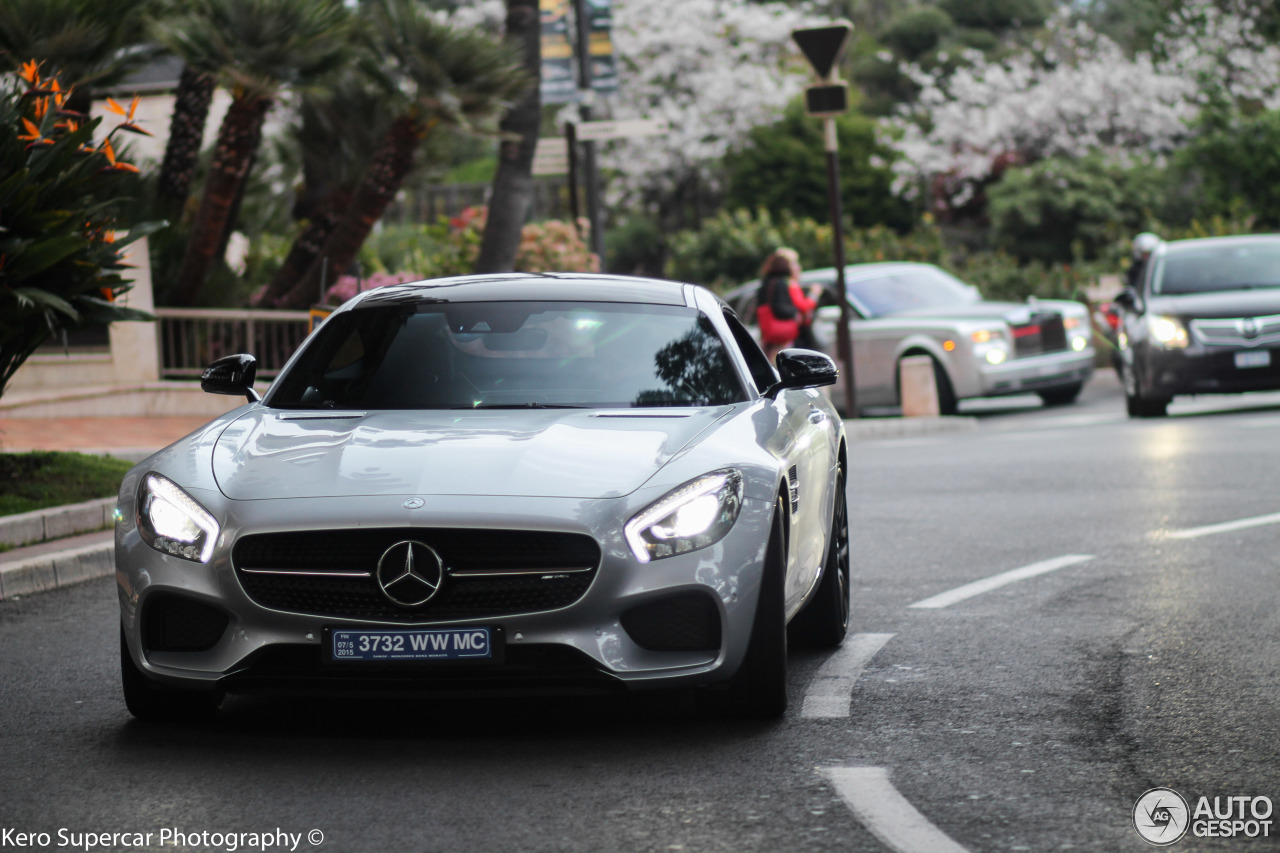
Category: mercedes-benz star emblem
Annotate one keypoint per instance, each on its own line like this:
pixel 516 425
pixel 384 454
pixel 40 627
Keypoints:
pixel 414 503
pixel 410 573
pixel 1249 327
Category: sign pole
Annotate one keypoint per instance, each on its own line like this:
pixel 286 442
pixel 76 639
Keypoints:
pixel 591 182
pixel 571 145
pixel 844 342
pixel 823 47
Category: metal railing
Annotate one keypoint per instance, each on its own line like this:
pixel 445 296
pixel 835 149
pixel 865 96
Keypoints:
pixel 191 338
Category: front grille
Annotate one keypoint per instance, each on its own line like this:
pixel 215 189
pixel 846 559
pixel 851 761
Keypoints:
pixel 535 668
pixel 1238 331
pixel 1043 333
pixel 487 573
pixel 689 622
pixel 172 623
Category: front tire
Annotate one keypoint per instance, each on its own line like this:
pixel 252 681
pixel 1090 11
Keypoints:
pixel 759 688
pixel 1136 404
pixel 824 621
pixel 153 702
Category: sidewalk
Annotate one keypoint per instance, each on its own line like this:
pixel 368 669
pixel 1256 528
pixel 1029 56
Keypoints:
pixel 129 437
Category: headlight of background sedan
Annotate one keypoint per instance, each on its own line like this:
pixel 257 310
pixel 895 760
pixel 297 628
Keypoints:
pixel 696 515
pixel 991 345
pixel 1078 330
pixel 1167 332
pixel 172 522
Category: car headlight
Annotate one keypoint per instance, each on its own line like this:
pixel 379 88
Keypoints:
pixel 696 515
pixel 992 345
pixel 1078 330
pixel 1167 332
pixel 173 523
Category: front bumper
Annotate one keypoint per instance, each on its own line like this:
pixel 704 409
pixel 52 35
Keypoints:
pixel 1032 373
pixel 584 644
pixel 1198 369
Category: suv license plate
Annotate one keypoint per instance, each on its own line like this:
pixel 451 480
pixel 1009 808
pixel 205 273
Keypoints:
pixel 416 644
pixel 1258 358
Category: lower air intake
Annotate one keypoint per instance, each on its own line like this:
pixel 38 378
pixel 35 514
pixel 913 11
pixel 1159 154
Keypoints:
pixel 689 622
pixel 172 623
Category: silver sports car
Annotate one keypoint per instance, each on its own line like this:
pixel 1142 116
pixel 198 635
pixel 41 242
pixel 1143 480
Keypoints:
pixel 978 348
pixel 553 482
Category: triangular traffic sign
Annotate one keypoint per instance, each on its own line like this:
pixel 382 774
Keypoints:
pixel 822 46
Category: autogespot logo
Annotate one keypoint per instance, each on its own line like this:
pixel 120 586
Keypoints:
pixel 1161 816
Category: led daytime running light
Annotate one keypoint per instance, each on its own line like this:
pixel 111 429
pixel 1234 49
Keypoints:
pixel 683 519
pixel 173 522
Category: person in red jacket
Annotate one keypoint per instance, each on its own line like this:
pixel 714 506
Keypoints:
pixel 782 306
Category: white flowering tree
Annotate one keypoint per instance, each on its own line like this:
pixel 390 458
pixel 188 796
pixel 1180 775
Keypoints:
pixel 1077 93
pixel 713 69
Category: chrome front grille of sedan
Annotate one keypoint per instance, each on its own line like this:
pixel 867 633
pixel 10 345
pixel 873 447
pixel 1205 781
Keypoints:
pixel 1238 331
pixel 1043 332
pixel 484 573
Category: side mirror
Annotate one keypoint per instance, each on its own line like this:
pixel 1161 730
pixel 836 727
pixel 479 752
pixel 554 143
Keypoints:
pixel 1128 299
pixel 803 368
pixel 233 375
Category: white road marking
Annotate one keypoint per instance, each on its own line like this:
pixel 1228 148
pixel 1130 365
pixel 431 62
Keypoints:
pixel 969 590
pixel 829 692
pixel 1225 527
pixel 1259 423
pixel 886 813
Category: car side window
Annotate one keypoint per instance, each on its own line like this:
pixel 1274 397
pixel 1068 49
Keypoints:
pixel 762 372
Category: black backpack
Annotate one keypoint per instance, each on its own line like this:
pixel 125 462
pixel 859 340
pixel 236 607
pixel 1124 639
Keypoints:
pixel 775 291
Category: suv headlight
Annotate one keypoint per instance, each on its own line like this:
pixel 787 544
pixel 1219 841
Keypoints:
pixel 1167 332
pixel 696 515
pixel 173 523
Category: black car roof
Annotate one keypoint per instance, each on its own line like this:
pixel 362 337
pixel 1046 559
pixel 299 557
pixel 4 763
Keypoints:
pixel 531 287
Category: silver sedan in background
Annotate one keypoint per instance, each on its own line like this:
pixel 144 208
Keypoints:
pixel 550 482
pixel 979 348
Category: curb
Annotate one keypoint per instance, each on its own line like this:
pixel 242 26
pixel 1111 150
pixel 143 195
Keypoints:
pixel 57 569
pixel 57 522
pixel 871 428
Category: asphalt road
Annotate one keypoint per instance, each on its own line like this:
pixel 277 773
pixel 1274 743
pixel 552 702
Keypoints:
pixel 1136 650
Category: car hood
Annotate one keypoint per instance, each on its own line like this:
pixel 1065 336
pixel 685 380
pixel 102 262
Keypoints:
pixel 272 454
pixel 973 311
pixel 1230 303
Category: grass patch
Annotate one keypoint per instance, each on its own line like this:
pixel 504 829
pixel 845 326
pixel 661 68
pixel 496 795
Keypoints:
pixel 31 481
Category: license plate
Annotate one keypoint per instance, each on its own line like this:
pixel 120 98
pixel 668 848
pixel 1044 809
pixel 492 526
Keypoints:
pixel 1259 358
pixel 413 644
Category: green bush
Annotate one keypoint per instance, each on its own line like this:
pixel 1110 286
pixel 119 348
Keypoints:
pixel 635 247
pixel 914 32
pixel 60 258
pixel 1064 210
pixel 730 247
pixel 1234 167
pixel 997 14
pixel 782 168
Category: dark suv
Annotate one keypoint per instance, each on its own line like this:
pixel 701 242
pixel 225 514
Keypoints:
pixel 1205 320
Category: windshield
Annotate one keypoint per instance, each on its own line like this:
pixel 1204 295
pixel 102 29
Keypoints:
pixel 907 290
pixel 1242 266
pixel 511 355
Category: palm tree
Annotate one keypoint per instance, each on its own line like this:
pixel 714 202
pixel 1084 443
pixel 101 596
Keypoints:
pixel 437 75
pixel 87 43
pixel 186 133
pixel 259 47
pixel 339 129
pixel 513 183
